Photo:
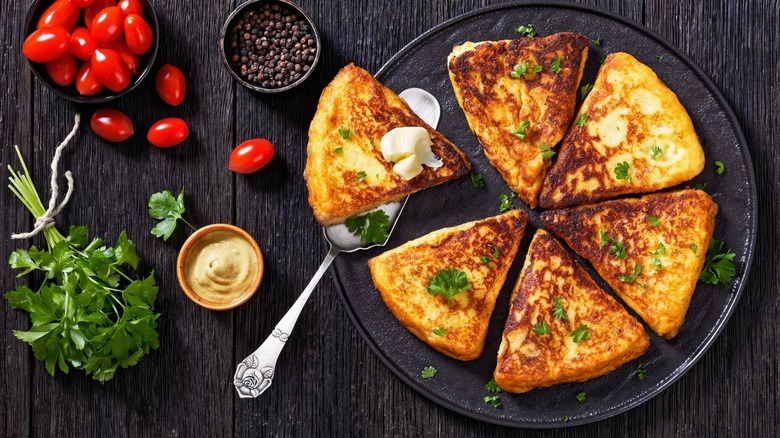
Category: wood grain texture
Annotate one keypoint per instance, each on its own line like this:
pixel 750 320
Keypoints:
pixel 329 382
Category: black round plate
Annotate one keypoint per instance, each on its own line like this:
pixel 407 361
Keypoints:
pixel 460 386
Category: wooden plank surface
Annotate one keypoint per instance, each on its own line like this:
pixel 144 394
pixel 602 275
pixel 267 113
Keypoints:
pixel 329 382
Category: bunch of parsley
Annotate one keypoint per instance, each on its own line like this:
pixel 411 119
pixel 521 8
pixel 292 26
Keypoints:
pixel 88 313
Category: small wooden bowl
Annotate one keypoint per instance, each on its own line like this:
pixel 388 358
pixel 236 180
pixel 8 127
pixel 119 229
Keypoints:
pixel 184 253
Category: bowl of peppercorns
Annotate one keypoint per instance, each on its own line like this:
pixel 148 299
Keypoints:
pixel 270 46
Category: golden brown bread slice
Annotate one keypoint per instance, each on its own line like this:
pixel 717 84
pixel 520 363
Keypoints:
pixel 665 234
pixel 357 102
pixel 496 103
pixel 530 356
pixel 403 274
pixel 632 120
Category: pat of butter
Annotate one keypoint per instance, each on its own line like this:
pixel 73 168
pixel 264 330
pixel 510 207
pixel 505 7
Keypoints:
pixel 409 147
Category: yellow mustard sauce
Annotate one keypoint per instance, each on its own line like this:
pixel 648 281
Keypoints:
pixel 221 266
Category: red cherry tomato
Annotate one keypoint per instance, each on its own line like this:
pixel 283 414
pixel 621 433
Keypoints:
pixel 110 69
pixel 81 3
pixel 62 70
pixel 82 45
pixel 97 6
pixel 60 14
pixel 46 44
pixel 87 83
pixel 170 85
pixel 131 7
pixel 251 155
pixel 168 132
pixel 130 58
pixel 138 34
pixel 111 125
pixel 107 24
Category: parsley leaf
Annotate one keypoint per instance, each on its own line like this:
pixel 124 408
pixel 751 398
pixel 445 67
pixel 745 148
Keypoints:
pixel 484 259
pixel 527 31
pixel 476 180
pixel 494 250
pixel 604 238
pixel 581 333
pixel 537 68
pixel 719 264
pixel 522 131
pixel 165 207
pixel 659 57
pixel 654 256
pixel 492 400
pixel 597 41
pixel 428 372
pixel 631 278
pixel 520 69
pixel 542 328
pixel 641 374
pixel 618 249
pixel 581 397
pixel 506 203
pixel 339 150
pixel 556 65
pixel 694 248
pixel 653 220
pixel 492 386
pixel 621 171
pixel 656 152
pixel 448 282
pixel 547 153
pixel 558 310
pixel 345 133
pixel 720 167
pixel 372 227
pixel 581 119
pixel 360 177
pixel 565 419
pixel 440 331
pixel 585 89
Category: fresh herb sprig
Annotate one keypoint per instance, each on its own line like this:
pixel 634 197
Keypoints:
pixel 719 264
pixel 372 227
pixel 448 282
pixel 164 207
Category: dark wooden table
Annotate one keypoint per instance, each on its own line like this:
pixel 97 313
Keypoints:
pixel 329 382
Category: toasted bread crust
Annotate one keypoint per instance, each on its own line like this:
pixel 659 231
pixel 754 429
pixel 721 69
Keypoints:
pixel 527 360
pixel 356 101
pixel 401 275
pixel 629 112
pixel 687 218
pixel 495 103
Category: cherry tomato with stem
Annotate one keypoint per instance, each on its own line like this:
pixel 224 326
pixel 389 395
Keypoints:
pixel 251 155
pixel 46 44
pixel 87 83
pixel 138 34
pixel 107 24
pixel 110 69
pixel 62 70
pixel 130 58
pixel 97 6
pixel 170 84
pixel 82 45
pixel 131 7
pixel 111 125
pixel 81 3
pixel 168 132
pixel 60 14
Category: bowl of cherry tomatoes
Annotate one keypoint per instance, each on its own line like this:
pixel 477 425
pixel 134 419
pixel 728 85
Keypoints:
pixel 91 51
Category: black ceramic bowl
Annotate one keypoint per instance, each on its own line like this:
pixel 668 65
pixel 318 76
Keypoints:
pixel 145 61
pixel 235 67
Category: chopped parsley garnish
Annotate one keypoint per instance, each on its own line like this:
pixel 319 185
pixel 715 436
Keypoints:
pixel 360 176
pixel 653 220
pixel 631 278
pixel 345 133
pixel 537 68
pixel 492 400
pixel 585 89
pixel 547 153
pixel 506 203
pixel 476 180
pixel 565 419
pixel 440 331
pixel 581 120
pixel 522 131
pixel 527 31
pixel 494 251
pixel 558 310
pixel 695 249
pixel 581 397
pixel 618 249
pixel 520 69
pixel 659 57
pixel 372 142
pixel 654 256
pixel 492 386
pixel 338 150
pixel 448 282
pixel 604 238
pixel 700 186
pixel 719 167
pixel 580 334
pixel 641 374
pixel 372 227
pixel 719 265
pixel 484 259
pixel 597 41
pixel 656 152
pixel 428 372
pixel 621 171
pixel 556 65
pixel 542 328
